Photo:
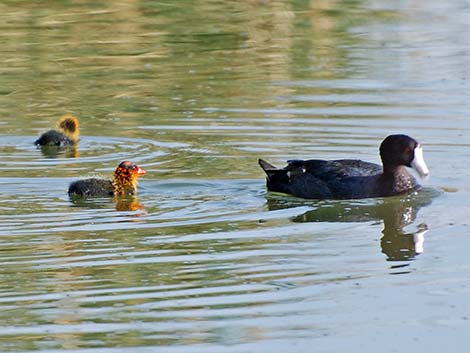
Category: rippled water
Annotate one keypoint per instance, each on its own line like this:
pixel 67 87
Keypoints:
pixel 203 258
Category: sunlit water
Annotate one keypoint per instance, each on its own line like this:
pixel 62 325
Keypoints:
pixel 203 259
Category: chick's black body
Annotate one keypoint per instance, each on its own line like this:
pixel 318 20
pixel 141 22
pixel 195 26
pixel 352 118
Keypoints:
pixel 54 138
pixel 92 187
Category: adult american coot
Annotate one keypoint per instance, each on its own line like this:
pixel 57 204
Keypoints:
pixel 65 134
pixel 351 178
pixel 124 183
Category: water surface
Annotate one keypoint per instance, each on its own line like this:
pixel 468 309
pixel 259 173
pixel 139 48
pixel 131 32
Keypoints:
pixel 203 258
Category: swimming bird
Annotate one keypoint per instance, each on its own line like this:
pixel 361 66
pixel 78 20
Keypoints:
pixel 124 183
pixel 351 178
pixel 66 133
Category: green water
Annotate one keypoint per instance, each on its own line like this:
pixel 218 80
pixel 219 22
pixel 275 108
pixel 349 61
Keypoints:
pixel 203 259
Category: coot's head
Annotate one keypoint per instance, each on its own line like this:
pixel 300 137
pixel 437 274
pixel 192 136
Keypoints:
pixel 68 124
pixel 125 178
pixel 398 150
pixel 129 168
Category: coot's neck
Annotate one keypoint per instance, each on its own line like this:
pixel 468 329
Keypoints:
pixel 123 185
pixel 392 170
pixel 396 179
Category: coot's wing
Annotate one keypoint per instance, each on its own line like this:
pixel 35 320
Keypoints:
pixel 334 169
pixel 337 179
pixel 320 179
pixel 356 167
pixel 293 180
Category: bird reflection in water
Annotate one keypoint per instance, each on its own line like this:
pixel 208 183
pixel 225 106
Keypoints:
pixel 398 244
pixel 121 203
pixel 396 213
pixel 56 152
pixel 129 203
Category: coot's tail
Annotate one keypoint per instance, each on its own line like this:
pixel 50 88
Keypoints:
pixel 276 179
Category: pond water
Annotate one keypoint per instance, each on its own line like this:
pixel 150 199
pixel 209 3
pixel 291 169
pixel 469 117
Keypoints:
pixel 204 259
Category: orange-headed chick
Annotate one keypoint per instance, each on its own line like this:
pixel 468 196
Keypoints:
pixel 66 133
pixel 124 183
